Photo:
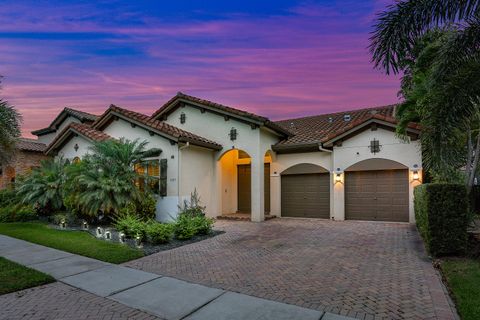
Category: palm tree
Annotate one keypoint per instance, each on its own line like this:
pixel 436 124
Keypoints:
pixel 9 130
pixel 106 183
pixel 435 44
pixel 400 27
pixel 43 187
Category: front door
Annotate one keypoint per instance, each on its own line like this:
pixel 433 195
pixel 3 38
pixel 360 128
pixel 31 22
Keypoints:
pixel 244 187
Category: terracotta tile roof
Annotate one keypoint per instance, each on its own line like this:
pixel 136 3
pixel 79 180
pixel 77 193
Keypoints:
pixel 325 127
pixel 89 132
pixel 26 144
pixel 84 117
pixel 79 128
pixel 234 111
pixel 181 135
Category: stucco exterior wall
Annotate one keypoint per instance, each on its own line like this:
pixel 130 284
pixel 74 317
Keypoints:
pixel 167 207
pixel 197 171
pixel 68 150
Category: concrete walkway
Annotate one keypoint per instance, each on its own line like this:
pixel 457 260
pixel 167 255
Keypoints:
pixel 164 297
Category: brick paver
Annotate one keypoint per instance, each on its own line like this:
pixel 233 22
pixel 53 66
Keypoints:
pixel 367 270
pixel 60 301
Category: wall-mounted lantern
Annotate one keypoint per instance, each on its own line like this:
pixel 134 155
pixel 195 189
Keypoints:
pixel 338 177
pixel 416 176
pixel 75 147
pixel 233 134
pixel 183 118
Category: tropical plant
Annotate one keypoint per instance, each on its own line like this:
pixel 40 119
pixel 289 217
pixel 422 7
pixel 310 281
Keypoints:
pixel 10 120
pixel 435 44
pixel 43 187
pixel 104 181
pixel 202 224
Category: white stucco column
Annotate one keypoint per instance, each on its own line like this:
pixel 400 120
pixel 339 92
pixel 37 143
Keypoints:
pixel 258 195
pixel 338 196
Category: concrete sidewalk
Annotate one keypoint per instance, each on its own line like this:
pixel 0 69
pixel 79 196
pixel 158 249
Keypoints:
pixel 165 297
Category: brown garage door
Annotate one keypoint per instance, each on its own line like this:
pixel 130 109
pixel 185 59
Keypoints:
pixel 377 195
pixel 306 195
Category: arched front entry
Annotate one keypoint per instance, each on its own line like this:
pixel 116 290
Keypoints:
pixel 305 191
pixel 237 182
pixel 378 190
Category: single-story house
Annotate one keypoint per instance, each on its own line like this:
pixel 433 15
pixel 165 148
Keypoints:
pixel 345 165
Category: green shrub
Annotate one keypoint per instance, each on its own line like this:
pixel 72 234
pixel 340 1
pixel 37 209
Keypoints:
pixel 131 225
pixel 202 224
pixel 158 233
pixel 17 213
pixel 8 197
pixel 193 207
pixel 184 228
pixel 144 209
pixel 442 213
pixel 25 213
pixel 147 207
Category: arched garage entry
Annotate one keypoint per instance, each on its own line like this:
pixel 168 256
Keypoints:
pixel 305 191
pixel 378 190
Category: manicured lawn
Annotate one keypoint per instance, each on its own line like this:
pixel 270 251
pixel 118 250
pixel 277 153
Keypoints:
pixel 14 277
pixel 77 242
pixel 463 277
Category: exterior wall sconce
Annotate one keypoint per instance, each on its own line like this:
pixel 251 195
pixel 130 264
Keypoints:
pixel 233 134
pixel 416 175
pixel 338 177
pixel 183 118
pixel 75 147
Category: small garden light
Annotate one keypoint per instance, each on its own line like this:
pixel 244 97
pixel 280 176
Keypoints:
pixel 138 241
pixel 121 237
pixel 85 225
pixel 63 224
pixel 99 231
pixel 108 235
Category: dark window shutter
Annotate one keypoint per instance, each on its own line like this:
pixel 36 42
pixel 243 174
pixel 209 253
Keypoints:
pixel 163 177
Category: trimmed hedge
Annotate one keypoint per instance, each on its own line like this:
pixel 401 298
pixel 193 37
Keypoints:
pixel 441 213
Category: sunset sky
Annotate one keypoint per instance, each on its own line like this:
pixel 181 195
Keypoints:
pixel 276 58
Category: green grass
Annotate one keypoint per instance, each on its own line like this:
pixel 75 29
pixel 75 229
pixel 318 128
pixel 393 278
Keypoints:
pixel 14 277
pixel 463 278
pixel 78 242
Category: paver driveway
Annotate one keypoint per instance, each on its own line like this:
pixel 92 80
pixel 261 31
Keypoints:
pixel 367 270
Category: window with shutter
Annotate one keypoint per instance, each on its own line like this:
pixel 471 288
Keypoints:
pixel 163 177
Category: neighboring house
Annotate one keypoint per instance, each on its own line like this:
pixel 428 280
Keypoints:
pixel 28 154
pixel 346 165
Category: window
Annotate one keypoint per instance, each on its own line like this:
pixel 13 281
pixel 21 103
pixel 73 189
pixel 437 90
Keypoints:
pixel 183 118
pixel 149 175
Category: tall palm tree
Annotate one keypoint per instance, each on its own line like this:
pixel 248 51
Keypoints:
pixel 9 130
pixel 435 44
